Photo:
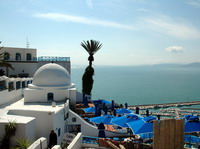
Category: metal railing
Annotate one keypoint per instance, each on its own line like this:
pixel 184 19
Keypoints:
pixel 51 58
pixel 90 140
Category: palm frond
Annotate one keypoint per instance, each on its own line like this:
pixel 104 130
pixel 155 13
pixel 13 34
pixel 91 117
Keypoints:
pixel 6 64
pixel 91 46
pixel 3 63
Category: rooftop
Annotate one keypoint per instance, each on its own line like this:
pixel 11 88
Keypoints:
pixel 38 106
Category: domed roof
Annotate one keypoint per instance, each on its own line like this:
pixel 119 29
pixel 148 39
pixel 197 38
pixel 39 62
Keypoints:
pixel 51 75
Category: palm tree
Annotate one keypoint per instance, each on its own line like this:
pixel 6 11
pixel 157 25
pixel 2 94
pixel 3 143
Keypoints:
pixel 87 80
pixel 4 63
pixel 10 130
pixel 91 47
pixel 22 143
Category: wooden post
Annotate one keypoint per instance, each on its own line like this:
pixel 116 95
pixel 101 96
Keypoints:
pixel 169 134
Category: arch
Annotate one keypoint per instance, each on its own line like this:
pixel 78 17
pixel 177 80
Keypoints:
pixel 18 57
pixel 50 97
pixel 28 57
pixel 6 56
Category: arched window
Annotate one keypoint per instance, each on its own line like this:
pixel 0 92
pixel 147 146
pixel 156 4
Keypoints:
pixel 6 56
pixel 18 57
pixel 28 57
pixel 50 96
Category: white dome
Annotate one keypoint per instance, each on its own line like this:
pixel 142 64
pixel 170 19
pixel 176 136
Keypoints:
pixel 51 75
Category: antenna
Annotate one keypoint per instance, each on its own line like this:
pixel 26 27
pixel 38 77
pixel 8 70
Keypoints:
pixel 27 43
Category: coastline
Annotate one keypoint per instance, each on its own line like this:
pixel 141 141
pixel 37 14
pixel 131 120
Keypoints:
pixel 164 105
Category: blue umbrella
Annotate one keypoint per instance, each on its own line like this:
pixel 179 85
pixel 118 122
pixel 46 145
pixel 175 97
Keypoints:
pixel 89 110
pixel 102 101
pixel 104 119
pixel 192 124
pixel 144 125
pixel 123 111
pixel 122 121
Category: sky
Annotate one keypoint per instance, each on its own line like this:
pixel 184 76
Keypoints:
pixel 133 32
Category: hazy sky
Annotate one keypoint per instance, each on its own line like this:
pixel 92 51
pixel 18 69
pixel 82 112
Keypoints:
pixel 132 31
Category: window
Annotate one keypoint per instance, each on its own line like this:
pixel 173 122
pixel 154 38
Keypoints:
pixel 28 57
pixel 50 96
pixel 18 85
pixel 6 56
pixel 10 86
pixel 18 57
pixel 2 85
pixel 58 132
pixel 73 119
pixel 23 84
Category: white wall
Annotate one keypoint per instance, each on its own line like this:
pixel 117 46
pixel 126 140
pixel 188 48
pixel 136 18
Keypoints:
pixel 23 51
pixel 87 129
pixel 79 97
pixel 72 96
pixel 21 131
pixel 6 96
pixel 41 142
pixel 59 123
pixel 31 67
pixel 44 121
pixel 76 143
pixel 40 95
pixel 26 67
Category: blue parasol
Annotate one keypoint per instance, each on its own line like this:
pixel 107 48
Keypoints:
pixel 89 110
pixel 123 111
pixel 192 124
pixel 104 119
pixel 122 121
pixel 144 125
pixel 102 101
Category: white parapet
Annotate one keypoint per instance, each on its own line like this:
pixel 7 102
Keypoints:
pixel 76 143
pixel 41 143
pixel 56 147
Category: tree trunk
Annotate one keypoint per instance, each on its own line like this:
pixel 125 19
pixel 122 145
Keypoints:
pixel 90 59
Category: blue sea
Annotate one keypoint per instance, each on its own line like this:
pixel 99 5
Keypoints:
pixel 139 85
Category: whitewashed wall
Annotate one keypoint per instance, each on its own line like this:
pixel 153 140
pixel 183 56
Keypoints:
pixel 40 95
pixel 41 142
pixel 87 129
pixel 59 123
pixel 6 96
pixel 23 131
pixel 23 67
pixel 76 143
pixel 23 51
pixel 44 121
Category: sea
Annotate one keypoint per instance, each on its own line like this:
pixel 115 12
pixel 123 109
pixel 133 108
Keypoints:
pixel 138 85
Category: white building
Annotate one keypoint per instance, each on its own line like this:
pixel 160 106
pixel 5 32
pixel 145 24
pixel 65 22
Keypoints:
pixel 44 105
pixel 26 62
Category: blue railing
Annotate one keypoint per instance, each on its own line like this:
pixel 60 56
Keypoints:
pixel 90 140
pixel 51 58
